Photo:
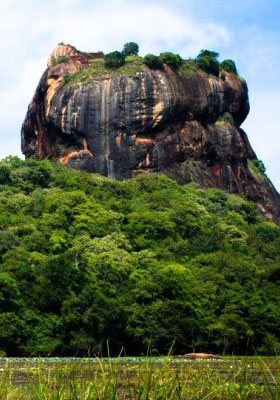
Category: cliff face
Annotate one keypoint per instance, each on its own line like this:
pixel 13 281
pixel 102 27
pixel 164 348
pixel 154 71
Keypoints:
pixel 185 124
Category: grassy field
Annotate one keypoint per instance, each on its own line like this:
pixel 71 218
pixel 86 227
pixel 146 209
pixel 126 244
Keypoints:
pixel 139 378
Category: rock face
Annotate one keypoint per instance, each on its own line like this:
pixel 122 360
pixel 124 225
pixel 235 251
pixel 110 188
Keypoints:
pixel 186 125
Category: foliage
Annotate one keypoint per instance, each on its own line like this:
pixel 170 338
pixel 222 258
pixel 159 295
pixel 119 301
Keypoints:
pixel 171 59
pixel 98 70
pixel 130 378
pixel 114 60
pixel 229 66
pixel 130 48
pixel 189 67
pixel 226 118
pixel 143 263
pixel 208 61
pixel 60 60
pixel 259 164
pixel 152 61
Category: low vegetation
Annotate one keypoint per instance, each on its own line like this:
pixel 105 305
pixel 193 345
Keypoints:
pixel 143 263
pixel 152 61
pixel 171 59
pixel 115 59
pixel 226 118
pixel 259 164
pixel 98 70
pixel 129 62
pixel 140 378
pixel 60 60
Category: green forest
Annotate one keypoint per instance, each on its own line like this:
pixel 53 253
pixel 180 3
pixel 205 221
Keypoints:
pixel 141 265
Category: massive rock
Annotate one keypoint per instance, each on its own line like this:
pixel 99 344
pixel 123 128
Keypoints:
pixel 183 123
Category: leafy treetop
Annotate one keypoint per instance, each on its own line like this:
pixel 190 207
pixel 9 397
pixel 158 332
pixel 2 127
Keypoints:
pixel 229 66
pixel 114 59
pixel 208 61
pixel 130 48
pixel 152 61
pixel 171 59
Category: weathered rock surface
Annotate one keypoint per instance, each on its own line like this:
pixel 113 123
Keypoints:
pixel 184 125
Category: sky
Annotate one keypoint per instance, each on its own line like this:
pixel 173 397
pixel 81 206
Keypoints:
pixel 247 31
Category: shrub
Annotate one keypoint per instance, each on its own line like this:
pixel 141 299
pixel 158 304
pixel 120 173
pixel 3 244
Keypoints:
pixel 260 165
pixel 229 66
pixel 226 118
pixel 60 60
pixel 208 61
pixel 114 60
pixel 171 59
pixel 130 48
pixel 152 61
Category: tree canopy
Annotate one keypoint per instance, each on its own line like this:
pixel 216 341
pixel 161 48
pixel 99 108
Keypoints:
pixel 152 61
pixel 142 263
pixel 171 59
pixel 115 59
pixel 229 66
pixel 131 48
pixel 208 61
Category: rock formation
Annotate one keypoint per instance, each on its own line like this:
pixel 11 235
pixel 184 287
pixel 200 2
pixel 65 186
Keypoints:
pixel 183 123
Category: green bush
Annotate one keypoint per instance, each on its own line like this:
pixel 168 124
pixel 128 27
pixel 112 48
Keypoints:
pixel 226 118
pixel 152 61
pixel 229 66
pixel 4 174
pixel 115 59
pixel 208 61
pixel 60 60
pixel 130 48
pixel 171 59
pixel 260 165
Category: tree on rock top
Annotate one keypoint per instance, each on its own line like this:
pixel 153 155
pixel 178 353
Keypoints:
pixel 171 59
pixel 208 61
pixel 115 59
pixel 152 61
pixel 131 48
pixel 229 66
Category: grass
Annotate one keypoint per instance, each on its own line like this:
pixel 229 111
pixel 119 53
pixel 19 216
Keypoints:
pixel 133 64
pixel 189 67
pixel 59 60
pixel 226 119
pixel 139 378
pixel 255 168
pixel 97 70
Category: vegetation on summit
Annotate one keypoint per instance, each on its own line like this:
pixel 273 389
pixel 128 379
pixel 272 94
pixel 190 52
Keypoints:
pixel 115 59
pixel 206 60
pixel 131 48
pixel 143 263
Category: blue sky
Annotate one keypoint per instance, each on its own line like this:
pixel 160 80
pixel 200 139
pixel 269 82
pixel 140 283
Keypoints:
pixel 245 30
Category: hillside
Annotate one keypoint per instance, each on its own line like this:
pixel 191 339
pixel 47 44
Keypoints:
pixel 142 262
pixel 178 117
